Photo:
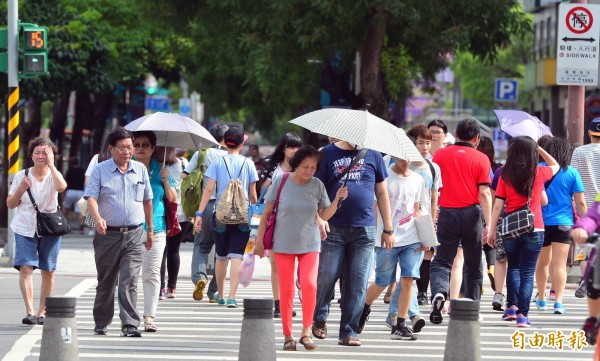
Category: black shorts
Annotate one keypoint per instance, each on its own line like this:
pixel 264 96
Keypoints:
pixel 557 234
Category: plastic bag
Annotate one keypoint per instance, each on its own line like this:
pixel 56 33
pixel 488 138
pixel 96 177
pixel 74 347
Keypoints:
pixel 246 269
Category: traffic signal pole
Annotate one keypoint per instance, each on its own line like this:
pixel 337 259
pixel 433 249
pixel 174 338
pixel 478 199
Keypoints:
pixel 13 113
pixel 576 105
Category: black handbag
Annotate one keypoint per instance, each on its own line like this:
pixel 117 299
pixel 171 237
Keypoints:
pixel 518 222
pixel 49 224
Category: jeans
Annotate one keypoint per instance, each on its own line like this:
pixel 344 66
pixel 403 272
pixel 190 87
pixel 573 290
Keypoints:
pixel 522 254
pixel 458 225
pixel 350 248
pixel 413 308
pixel 203 244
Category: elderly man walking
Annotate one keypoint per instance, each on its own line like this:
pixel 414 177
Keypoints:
pixel 120 200
pixel 464 199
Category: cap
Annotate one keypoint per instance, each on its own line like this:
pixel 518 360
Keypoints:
pixel 234 136
pixel 594 127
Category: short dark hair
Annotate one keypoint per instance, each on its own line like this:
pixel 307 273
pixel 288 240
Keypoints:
pixel 218 131
pixel 40 141
pixel 255 146
pixel 467 129
pixel 438 123
pixel 117 134
pixel 419 130
pixel 305 151
pixel 148 134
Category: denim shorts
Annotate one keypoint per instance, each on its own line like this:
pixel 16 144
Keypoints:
pixel 405 256
pixel 37 252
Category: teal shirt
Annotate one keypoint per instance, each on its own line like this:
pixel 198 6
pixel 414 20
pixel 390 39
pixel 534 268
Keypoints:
pixel 158 206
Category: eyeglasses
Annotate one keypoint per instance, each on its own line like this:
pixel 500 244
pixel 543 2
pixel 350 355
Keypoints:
pixel 128 149
pixel 436 132
pixel 142 145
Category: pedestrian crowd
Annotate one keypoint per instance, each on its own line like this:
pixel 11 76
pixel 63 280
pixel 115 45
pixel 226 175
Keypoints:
pixel 342 214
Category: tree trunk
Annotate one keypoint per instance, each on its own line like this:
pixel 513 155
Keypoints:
pixel 59 120
pixel 31 129
pixel 373 88
pixel 102 111
pixel 83 117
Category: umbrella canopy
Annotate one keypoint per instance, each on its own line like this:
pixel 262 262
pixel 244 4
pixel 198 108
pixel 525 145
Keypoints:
pixel 517 122
pixel 361 128
pixel 174 130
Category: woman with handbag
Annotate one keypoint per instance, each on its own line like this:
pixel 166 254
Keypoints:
pixel 41 183
pixel 522 227
pixel 162 185
pixel 558 220
pixel 276 164
pixel 299 197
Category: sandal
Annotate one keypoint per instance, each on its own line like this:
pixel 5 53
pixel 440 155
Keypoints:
pixel 309 345
pixel 349 341
pixel 319 330
pixel 289 345
pixel 149 325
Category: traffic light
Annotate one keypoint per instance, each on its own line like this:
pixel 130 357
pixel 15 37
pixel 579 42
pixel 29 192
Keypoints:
pixel 34 56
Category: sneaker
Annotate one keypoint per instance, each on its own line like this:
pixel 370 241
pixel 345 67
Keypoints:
pixel 162 294
pixel 276 309
pixel 29 320
pixel 510 314
pixel 100 330
pixel 523 321
pixel 198 294
pixel 559 309
pixel 231 303
pixel 401 332
pixel 171 292
pixel 218 300
pixel 364 316
pixel 540 304
pixel 130 331
pixel 581 290
pixel 498 302
pixel 590 328
pixel 552 295
pixel 422 298
pixel 417 323
pixel 390 320
pixel 437 305
pixel 40 320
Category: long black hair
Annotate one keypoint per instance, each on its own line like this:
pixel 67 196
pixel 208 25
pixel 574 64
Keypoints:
pixel 290 140
pixel 560 150
pixel 521 164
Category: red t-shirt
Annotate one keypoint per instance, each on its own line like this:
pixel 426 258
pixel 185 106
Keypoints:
pixel 515 201
pixel 464 169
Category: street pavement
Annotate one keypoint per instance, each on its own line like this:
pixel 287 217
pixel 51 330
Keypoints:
pixel 192 330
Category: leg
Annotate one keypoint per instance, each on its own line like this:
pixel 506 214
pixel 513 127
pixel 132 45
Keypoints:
pixel 274 278
pixel 560 252
pixel 220 273
pixel 471 233
pixel 456 279
pixel 405 297
pixel 449 237
pixel 238 239
pixel 308 263
pixel 530 249
pixel 173 259
pixel 513 278
pixel 151 262
pixel 129 270
pixel 500 274
pixel 541 273
pixel 203 243
pixel 46 291
pixel 163 267
pixel 48 250
pixel 286 264
pixel 26 286
pixel 107 254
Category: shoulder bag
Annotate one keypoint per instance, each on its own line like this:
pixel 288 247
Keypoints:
pixel 518 222
pixel 270 230
pixel 49 224
pixel 255 211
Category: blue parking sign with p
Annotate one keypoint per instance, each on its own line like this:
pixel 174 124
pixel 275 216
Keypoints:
pixel 507 90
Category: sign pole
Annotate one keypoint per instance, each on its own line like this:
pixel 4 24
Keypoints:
pixel 575 112
pixel 13 113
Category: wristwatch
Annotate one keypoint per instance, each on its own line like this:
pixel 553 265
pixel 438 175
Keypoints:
pixel 388 232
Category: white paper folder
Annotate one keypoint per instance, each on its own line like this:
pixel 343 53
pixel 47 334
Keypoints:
pixel 426 231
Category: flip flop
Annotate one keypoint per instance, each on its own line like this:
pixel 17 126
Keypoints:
pixel 310 346
pixel 349 341
pixel 319 330
pixel 289 345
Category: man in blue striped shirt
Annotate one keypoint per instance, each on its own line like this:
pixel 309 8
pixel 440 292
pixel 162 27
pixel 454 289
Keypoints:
pixel 120 200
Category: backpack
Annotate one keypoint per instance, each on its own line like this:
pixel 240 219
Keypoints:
pixel 191 187
pixel 233 207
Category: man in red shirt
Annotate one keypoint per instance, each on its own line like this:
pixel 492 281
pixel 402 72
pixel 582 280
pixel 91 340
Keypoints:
pixel 464 199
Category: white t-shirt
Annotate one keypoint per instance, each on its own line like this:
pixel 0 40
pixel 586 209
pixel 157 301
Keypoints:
pixel 403 193
pixel 45 195
pixel 90 168
pixel 211 155
pixel 425 172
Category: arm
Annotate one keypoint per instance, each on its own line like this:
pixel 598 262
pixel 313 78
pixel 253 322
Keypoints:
pixel 544 198
pixel 434 203
pixel 210 186
pixel 326 213
pixel 552 163
pixel 252 193
pixel 93 210
pixel 59 182
pixel 485 199
pixel 15 199
pixel 383 204
pixel 265 184
pixel 580 203
pixel 587 224
pixel 149 223
pixel 498 204
pixel 170 192
pixel 417 212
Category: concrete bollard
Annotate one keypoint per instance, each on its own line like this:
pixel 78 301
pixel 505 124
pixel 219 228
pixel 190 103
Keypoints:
pixel 463 342
pixel 59 337
pixel 257 341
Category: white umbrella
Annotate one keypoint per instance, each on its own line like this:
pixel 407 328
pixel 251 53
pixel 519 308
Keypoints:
pixel 517 122
pixel 361 128
pixel 174 130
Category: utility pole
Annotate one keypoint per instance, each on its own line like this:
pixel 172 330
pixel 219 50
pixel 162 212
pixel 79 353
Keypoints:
pixel 575 111
pixel 13 112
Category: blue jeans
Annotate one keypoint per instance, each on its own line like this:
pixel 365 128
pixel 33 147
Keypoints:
pixel 203 244
pixel 413 308
pixel 350 248
pixel 522 254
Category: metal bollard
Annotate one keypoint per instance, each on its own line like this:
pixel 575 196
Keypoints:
pixel 257 341
pixel 59 337
pixel 463 342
